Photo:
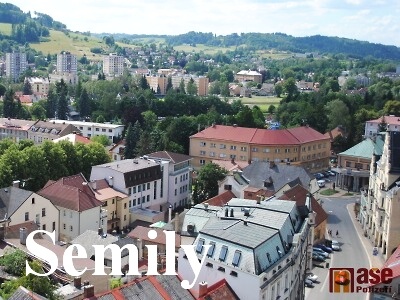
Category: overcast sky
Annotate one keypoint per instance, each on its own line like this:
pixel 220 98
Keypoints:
pixel 375 21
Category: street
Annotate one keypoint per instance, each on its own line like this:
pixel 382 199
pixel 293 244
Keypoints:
pixel 352 255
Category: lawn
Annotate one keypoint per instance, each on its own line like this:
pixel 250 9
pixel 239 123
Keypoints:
pixel 328 192
pixel 5 28
pixel 200 47
pixel 261 101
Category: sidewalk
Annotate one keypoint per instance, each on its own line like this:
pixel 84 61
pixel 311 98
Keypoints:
pixel 374 261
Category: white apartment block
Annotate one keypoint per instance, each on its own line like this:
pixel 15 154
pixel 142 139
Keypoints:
pixel 90 129
pixel 39 85
pixel 201 83
pixel 66 63
pixel 113 65
pixel 264 246
pixel 380 204
pixel 142 179
pixel 372 127
pixel 16 64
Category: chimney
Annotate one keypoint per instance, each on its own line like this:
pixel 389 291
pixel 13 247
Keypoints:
pixel 110 181
pixel 169 213
pixel 93 184
pixel 77 282
pixel 140 248
pixel 259 199
pixel 231 213
pixel 176 223
pixel 202 289
pixel 16 183
pixel 100 231
pixel 88 291
pixel 22 235
pixel 226 212
pixel 205 206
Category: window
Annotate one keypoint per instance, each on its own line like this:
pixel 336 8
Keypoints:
pixel 134 190
pixel 286 282
pixel 202 162
pixel 236 258
pixel 212 154
pixel 33 200
pixel 277 150
pixel 44 226
pixel 266 150
pixel 71 228
pixel 54 226
pixel 202 144
pixel 43 212
pixel 348 164
pixel 103 130
pixel 221 269
pixel 97 129
pixel 243 148
pixel 65 212
pixel 254 149
pixel 222 146
pixel 134 202
pixel 213 145
pixel 233 147
pixel 234 274
pixel 148 198
pixel 27 216
pixel 199 247
pixel 124 205
pixel 287 150
pixel 222 254
pixel 176 180
pixel 148 185
pixel 124 217
pixel 210 252
pixel 202 152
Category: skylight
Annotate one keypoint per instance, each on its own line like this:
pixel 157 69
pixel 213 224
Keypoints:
pixel 199 247
pixel 236 258
pixel 222 254
pixel 210 252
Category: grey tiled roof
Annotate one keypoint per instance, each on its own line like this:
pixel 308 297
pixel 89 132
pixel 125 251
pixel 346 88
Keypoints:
pixel 11 198
pixel 90 238
pixel 141 290
pixel 173 287
pixel 281 174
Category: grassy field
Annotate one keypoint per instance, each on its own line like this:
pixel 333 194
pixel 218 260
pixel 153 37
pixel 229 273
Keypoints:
pixel 5 28
pixel 200 47
pixel 261 101
pixel 273 54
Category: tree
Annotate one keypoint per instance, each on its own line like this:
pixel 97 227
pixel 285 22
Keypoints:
pixel 131 139
pixel 278 89
pixel 51 104
pixel 169 84
pixel 9 104
pixel 14 262
pixel 27 89
pixel 101 139
pixel 191 87
pixel 338 114
pixel 207 181
pixel 84 104
pixel 392 107
pixel 62 103
pixel 38 111
pixel 182 86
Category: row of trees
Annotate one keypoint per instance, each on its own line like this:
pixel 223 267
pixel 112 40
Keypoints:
pixel 34 165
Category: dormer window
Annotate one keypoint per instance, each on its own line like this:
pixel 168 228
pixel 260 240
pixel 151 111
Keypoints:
pixel 199 247
pixel 236 258
pixel 222 254
pixel 210 251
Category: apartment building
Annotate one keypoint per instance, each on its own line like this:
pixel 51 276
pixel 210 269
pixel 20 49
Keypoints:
pixel 15 129
pixel 302 146
pixel 248 76
pixel 113 64
pixel 16 65
pixel 201 83
pixel 157 83
pixel 373 127
pixel 260 245
pixel 42 131
pixel 90 129
pixel 380 203
pixel 66 63
pixel 76 201
pixel 39 85
pixel 69 78
pixel 179 172
pixel 142 179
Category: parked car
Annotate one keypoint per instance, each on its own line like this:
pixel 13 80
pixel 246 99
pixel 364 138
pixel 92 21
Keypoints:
pixel 320 252
pixel 335 245
pixel 321 183
pixel 308 283
pixel 326 174
pixel 317 257
pixel 332 173
pixel 323 247
pixel 319 176
pixel 312 277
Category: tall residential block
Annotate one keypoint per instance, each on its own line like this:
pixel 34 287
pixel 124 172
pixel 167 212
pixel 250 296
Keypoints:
pixel 113 65
pixel 16 64
pixel 67 63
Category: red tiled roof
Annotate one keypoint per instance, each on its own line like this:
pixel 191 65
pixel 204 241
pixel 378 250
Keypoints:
pixel 335 132
pixel 298 193
pixel 140 232
pixel 71 192
pixel 174 157
pixel 393 263
pixel 227 133
pixel 228 165
pixel 391 120
pixel 219 291
pixel 12 232
pixel 25 99
pixel 221 199
pixel 292 136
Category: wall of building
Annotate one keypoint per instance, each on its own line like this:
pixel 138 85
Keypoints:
pixel 70 219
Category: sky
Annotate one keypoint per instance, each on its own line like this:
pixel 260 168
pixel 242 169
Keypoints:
pixel 374 21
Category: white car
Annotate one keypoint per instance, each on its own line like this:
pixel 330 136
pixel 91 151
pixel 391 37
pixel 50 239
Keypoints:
pixel 321 183
pixel 335 245
pixel 308 283
pixel 312 277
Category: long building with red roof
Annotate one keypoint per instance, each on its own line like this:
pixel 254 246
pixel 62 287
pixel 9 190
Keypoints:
pixel 302 146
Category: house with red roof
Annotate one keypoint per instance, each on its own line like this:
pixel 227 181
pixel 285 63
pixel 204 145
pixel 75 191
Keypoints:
pixel 373 127
pixel 302 146
pixel 79 208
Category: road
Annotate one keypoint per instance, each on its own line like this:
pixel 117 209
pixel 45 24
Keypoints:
pixel 353 254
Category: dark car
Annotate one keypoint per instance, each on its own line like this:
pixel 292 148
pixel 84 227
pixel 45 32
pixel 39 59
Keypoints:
pixel 326 174
pixel 317 257
pixel 323 247
pixel 319 176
